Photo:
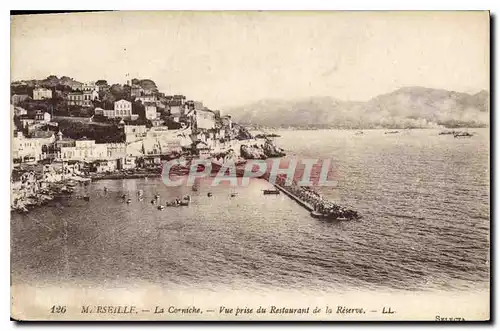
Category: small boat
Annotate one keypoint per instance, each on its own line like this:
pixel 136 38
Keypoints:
pixel 233 195
pixel 359 133
pixel 209 194
pixel 153 201
pixel 391 132
pixel 161 207
pixel 184 203
pixel 448 132
pixel 275 191
pixel 86 198
pixel 129 201
pixel 462 134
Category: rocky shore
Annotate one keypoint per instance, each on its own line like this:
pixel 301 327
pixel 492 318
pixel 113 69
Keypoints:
pixel 261 152
pixel 23 202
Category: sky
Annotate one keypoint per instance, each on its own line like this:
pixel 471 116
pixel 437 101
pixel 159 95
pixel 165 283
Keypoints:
pixel 230 59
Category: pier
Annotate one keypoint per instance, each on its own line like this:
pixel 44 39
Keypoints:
pixel 301 202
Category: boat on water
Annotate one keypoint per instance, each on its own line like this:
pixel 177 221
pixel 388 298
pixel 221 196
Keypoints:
pixel 129 201
pixel 177 203
pixel 209 194
pixel 359 133
pixel 233 195
pixel 448 132
pixel 271 191
pixel 71 183
pixel 462 134
pixel 391 132
pixel 161 207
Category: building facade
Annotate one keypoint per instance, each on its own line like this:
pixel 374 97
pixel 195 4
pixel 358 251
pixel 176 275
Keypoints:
pixel 42 93
pixel 42 117
pixel 204 119
pixel 30 149
pixel 18 98
pixel 150 110
pixel 147 98
pixel 84 150
pixel 134 132
pixel 81 98
pixel 123 109
pixel 89 87
pixel 136 91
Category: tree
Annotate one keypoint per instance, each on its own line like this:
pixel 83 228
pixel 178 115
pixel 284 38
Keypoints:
pixel 117 91
pixel 127 89
pixel 107 99
pixel 101 82
pixel 139 109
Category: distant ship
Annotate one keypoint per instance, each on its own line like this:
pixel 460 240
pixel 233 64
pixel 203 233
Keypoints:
pixel 462 134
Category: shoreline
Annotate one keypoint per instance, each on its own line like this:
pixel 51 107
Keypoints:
pixel 124 176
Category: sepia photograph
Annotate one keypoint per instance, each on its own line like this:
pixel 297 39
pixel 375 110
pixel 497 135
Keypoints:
pixel 250 166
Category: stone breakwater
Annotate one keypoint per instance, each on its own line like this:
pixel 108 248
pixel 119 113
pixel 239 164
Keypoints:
pixel 313 201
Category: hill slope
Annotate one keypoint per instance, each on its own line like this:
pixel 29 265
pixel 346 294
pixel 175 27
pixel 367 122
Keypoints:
pixel 408 107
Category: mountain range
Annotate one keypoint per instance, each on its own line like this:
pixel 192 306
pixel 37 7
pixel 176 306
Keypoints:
pixel 407 107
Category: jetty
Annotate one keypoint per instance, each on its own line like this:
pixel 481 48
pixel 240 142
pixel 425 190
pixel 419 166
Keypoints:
pixel 301 202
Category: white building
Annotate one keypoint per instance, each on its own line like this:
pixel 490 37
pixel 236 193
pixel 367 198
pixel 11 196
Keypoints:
pixel 134 132
pixel 90 86
pixel 123 109
pixel 84 150
pixel 42 93
pixel 30 149
pixel 205 119
pixel 42 117
pixel 150 110
pixel 176 111
pixel 147 98
pixel 90 95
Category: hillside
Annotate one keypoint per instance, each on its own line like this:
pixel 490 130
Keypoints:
pixel 408 107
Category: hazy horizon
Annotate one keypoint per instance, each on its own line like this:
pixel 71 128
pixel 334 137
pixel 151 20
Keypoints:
pixel 229 59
